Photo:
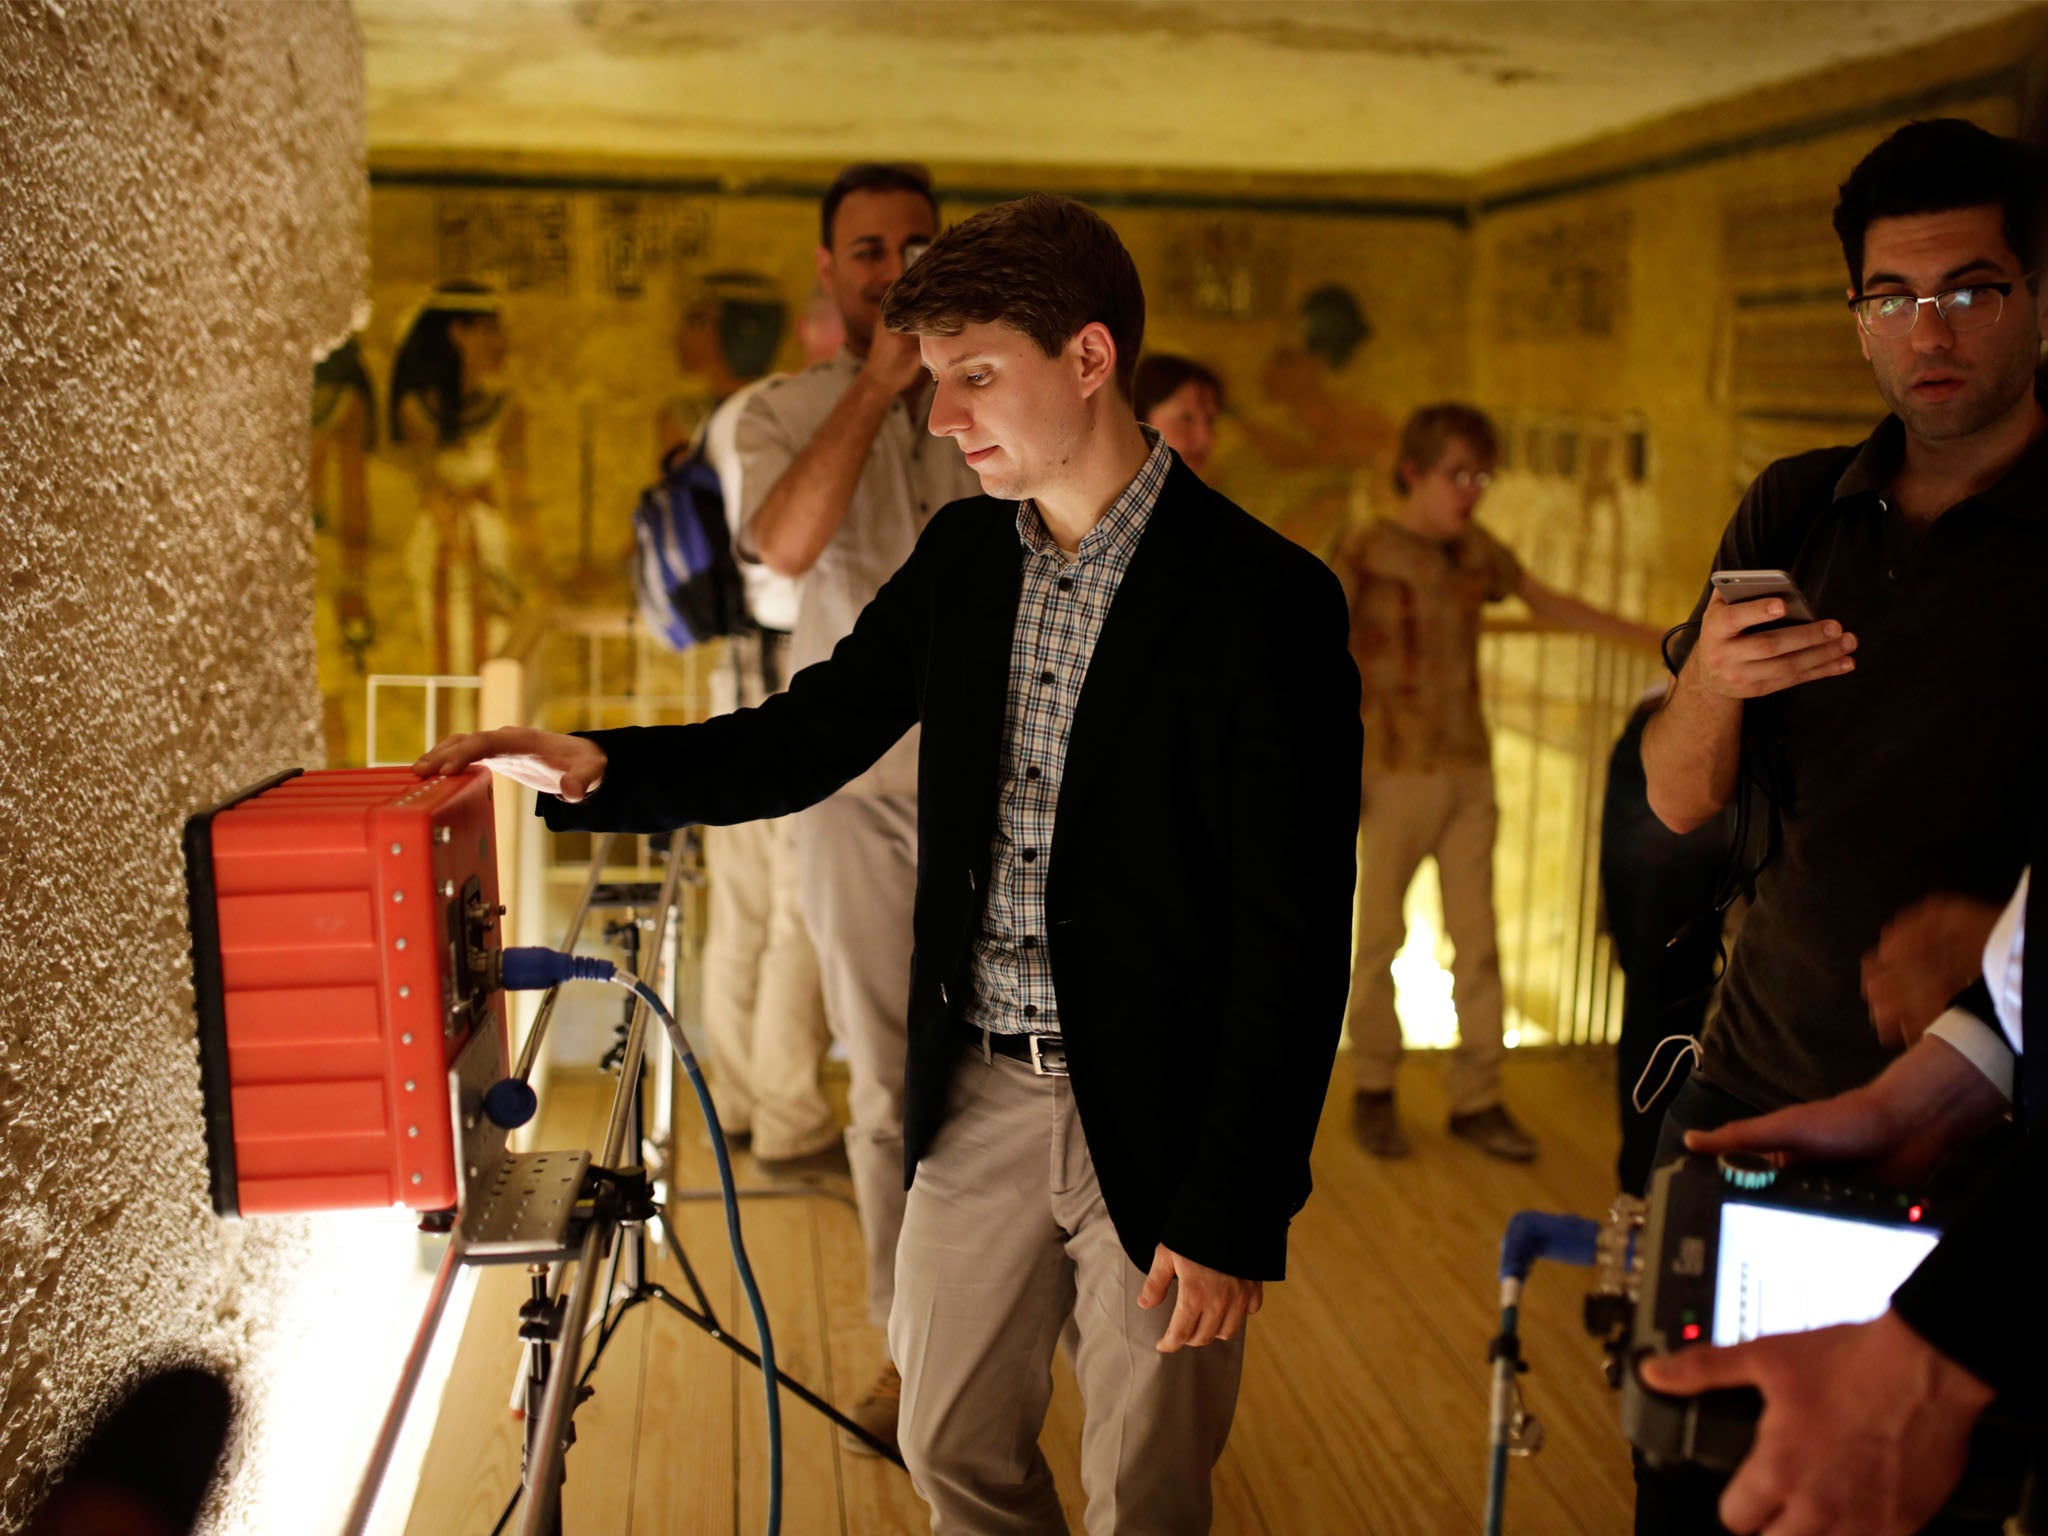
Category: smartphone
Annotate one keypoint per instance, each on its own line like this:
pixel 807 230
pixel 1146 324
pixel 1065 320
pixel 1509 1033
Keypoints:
pixel 1749 586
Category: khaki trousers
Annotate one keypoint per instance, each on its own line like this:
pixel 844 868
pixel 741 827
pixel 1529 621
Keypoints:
pixel 1406 817
pixel 763 1010
pixel 857 863
pixel 1005 1238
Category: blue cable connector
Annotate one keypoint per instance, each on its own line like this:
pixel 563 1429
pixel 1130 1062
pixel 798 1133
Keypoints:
pixel 532 969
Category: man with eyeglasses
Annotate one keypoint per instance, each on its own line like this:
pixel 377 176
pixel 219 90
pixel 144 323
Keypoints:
pixel 1417 581
pixel 1889 737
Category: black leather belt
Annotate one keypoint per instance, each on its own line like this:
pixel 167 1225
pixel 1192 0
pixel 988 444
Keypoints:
pixel 1045 1054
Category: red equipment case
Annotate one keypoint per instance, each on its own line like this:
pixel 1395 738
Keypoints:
pixel 341 924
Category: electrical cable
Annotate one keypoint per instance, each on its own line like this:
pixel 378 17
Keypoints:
pixel 510 1102
pixel 770 1384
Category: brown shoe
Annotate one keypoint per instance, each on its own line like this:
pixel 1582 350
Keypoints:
pixel 876 1413
pixel 828 1162
pixel 1495 1132
pixel 1377 1127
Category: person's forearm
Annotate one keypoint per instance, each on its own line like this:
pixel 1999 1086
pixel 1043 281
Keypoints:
pixel 1692 749
pixel 1554 607
pixel 805 507
pixel 1934 1091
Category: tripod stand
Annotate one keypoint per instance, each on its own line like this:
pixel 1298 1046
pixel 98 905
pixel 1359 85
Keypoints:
pixel 625 1198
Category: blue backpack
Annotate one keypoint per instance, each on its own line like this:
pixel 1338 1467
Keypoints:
pixel 684 574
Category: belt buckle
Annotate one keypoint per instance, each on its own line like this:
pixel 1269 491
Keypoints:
pixel 1048 1055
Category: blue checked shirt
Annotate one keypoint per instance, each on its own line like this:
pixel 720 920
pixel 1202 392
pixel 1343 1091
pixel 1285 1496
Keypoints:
pixel 1059 617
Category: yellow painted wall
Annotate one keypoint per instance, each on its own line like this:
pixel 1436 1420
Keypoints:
pixel 593 280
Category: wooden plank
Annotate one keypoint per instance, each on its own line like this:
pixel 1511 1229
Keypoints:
pixel 1059 1440
pixel 472 1460
pixel 597 1494
pixel 1364 1402
pixel 879 1498
pixel 1421 1389
pixel 778 1238
pixel 684 1483
pixel 1443 1212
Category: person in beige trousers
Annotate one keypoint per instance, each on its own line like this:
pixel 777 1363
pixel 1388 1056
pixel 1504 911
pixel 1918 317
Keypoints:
pixel 764 1004
pixel 1417 583
pixel 839 479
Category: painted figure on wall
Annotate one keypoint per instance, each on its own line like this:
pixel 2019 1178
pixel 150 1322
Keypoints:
pixel 344 435
pixel 726 336
pixel 463 433
pixel 1338 444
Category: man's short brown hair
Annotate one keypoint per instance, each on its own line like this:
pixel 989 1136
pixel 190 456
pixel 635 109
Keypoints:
pixel 1430 431
pixel 1162 375
pixel 1043 265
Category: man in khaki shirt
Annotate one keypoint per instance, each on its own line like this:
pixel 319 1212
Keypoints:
pixel 840 476
pixel 1417 582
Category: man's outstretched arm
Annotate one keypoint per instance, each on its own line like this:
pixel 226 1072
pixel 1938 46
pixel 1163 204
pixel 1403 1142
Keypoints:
pixel 834 721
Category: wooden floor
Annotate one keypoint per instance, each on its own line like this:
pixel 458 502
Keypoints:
pixel 1364 1402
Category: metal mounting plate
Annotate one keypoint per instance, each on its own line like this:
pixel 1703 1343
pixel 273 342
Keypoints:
pixel 521 1211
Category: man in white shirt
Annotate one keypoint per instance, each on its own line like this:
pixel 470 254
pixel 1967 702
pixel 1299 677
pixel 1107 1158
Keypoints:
pixel 839 477
pixel 764 1010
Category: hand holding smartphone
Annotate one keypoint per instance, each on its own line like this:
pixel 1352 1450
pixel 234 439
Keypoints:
pixel 1738 587
pixel 1740 659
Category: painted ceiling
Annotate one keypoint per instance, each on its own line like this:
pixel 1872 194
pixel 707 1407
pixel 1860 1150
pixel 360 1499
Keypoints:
pixel 1447 87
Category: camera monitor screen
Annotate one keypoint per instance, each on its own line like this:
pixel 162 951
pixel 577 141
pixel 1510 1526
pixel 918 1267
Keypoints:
pixel 1785 1271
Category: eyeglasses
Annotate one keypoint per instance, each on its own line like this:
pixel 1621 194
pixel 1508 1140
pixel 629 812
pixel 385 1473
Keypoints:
pixel 1466 479
pixel 1964 309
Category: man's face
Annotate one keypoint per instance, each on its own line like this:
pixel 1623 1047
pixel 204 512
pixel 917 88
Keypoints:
pixel 1944 384
pixel 1443 498
pixel 1019 416
pixel 869 234
pixel 1187 420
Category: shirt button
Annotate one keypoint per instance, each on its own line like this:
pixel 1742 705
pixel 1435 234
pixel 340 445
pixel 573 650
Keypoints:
pixel 1030 941
pixel 1031 772
pixel 1029 855
pixel 1045 677
pixel 1066 583
pixel 1031 1010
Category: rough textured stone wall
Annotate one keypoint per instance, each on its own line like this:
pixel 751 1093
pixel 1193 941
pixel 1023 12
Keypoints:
pixel 182 204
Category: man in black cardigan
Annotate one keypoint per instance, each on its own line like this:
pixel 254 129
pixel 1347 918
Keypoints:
pixel 1139 778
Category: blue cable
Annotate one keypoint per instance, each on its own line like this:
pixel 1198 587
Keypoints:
pixel 531 969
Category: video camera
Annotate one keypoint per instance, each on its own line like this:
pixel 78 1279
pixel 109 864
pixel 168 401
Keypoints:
pixel 1732 1248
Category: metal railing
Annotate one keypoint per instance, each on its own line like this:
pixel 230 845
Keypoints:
pixel 1556 702
pixel 431 687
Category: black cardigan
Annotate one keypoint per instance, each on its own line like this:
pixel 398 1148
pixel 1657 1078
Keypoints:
pixel 1198 897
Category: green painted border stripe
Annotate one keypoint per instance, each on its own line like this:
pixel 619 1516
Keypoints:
pixel 812 192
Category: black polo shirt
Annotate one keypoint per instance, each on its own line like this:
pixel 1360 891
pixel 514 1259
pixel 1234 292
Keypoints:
pixel 1912 774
